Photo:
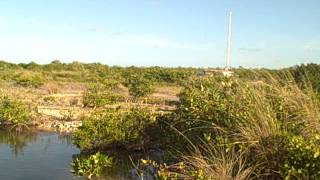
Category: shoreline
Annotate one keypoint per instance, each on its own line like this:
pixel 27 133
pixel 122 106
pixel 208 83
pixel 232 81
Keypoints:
pixel 57 126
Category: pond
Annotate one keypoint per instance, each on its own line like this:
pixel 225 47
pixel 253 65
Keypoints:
pixel 39 155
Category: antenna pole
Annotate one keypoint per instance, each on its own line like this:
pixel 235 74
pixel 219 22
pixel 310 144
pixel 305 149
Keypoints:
pixel 229 41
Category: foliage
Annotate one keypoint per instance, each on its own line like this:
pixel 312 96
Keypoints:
pixel 139 86
pixel 268 117
pixel 212 164
pixel 106 127
pixel 251 117
pixel 150 169
pixel 303 158
pixel 13 111
pixel 98 95
pixel 90 73
pixel 209 103
pixel 29 80
pixel 90 166
pixel 307 75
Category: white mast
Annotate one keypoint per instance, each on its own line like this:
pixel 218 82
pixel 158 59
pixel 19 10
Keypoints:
pixel 229 41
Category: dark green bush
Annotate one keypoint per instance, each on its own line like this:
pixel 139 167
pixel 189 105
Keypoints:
pixel 108 127
pixel 13 111
pixel 210 102
pixel 308 76
pixel 139 86
pixel 252 117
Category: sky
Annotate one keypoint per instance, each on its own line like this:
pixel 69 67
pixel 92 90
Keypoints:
pixel 271 34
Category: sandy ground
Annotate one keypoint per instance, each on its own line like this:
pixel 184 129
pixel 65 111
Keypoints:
pixel 56 105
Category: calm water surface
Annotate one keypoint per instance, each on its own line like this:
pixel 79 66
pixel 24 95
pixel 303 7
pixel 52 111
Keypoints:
pixel 38 156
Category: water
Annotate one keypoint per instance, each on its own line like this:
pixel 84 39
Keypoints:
pixel 39 156
pixel 35 155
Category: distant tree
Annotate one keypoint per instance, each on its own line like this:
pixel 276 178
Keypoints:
pixel 139 86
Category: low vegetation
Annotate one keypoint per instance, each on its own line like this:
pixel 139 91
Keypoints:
pixel 13 111
pixel 139 86
pixel 273 125
pixel 91 166
pixel 29 80
pixel 98 95
pixel 110 127
pixel 258 124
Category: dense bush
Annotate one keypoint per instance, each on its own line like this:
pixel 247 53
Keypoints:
pixel 13 111
pixel 302 158
pixel 260 123
pixel 29 80
pixel 254 118
pixel 270 121
pixel 98 95
pixel 92 73
pixel 113 127
pixel 307 76
pixel 211 102
pixel 138 86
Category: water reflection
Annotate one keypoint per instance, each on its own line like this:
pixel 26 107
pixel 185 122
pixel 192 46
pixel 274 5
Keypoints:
pixel 65 138
pixel 35 155
pixel 17 141
pixel 120 169
pixel 43 155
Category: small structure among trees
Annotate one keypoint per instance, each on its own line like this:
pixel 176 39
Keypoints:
pixel 211 71
pixel 226 71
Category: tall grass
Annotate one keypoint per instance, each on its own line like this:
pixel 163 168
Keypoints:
pixel 215 163
pixel 248 129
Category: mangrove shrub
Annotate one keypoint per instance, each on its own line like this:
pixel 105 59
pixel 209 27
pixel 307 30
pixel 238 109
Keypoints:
pixel 112 127
pixel 13 111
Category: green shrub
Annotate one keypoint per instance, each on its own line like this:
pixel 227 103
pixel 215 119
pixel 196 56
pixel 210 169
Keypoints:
pixel 92 165
pixel 92 73
pixel 308 75
pixel 29 80
pixel 249 116
pixel 302 158
pixel 139 86
pixel 107 127
pixel 98 95
pixel 13 111
pixel 212 102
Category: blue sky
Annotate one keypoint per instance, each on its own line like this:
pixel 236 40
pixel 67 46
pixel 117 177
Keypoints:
pixel 273 33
